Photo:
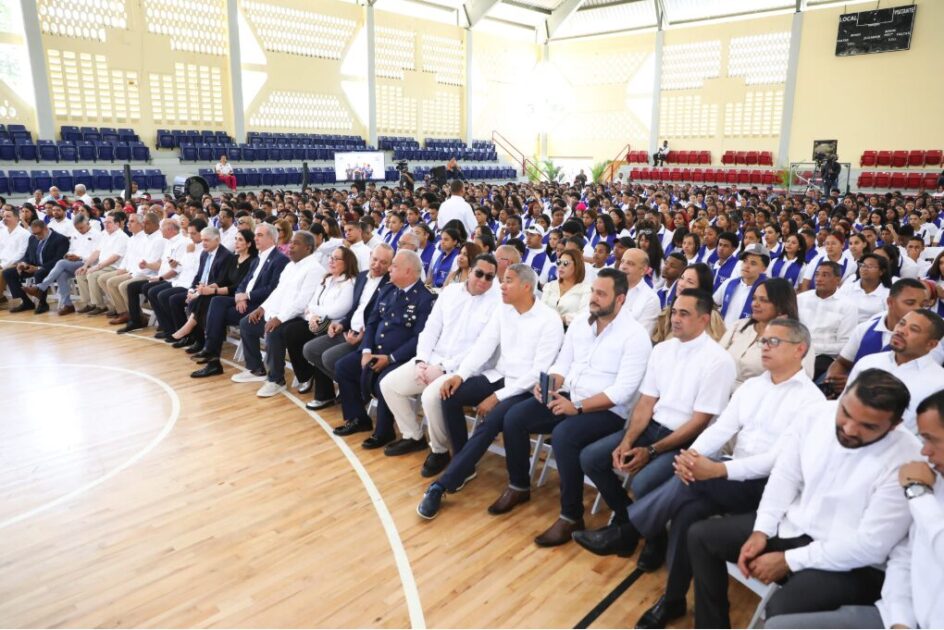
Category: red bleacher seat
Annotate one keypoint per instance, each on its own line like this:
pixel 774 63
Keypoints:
pixel 898 180
pixel 704 157
pixel 663 174
pixel 743 177
pixel 914 179
pixel 765 158
pixel 768 178
pixel 698 176
pixel 866 180
pixel 756 177
pixel 899 159
pixel 929 181
pixel 916 158
pixel 731 177
pixel 644 173
pixel 752 158
pixel 635 173
pixel 740 157
pixel 729 157
pixel 882 180
pixel 932 158
pixel 675 174
pixel 868 158
pixel 671 156
pixel 884 158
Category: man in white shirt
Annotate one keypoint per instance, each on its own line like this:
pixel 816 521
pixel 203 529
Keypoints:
pixel 758 416
pixel 288 300
pixel 734 296
pixel 915 337
pixel 458 319
pixel 14 239
pixel 58 222
pixel 526 335
pixel 353 239
pixel 641 301
pixel 831 512
pixel 142 230
pixel 81 194
pixel 911 595
pixel 456 207
pixel 369 237
pixel 148 253
pixel 536 255
pixel 598 370
pixel 228 229
pixel 688 381
pixel 830 318
pixel 107 258
pixel 83 242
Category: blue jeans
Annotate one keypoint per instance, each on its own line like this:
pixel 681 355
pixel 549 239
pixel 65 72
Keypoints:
pixel 596 461
pixel 61 272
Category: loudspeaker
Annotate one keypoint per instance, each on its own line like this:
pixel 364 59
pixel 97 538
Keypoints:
pixel 192 185
pixel 305 178
pixel 127 181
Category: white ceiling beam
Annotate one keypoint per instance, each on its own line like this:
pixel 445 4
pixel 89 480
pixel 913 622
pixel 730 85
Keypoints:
pixel 475 10
pixel 560 15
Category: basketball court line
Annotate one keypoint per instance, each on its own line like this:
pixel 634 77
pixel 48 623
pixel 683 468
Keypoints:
pixel 168 427
pixel 410 590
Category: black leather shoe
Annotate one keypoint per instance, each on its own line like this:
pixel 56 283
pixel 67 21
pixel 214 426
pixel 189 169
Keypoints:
pixel 376 442
pixel 652 555
pixel 404 446
pixel 620 540
pixel 195 348
pixel 182 343
pixel 662 613
pixel 161 335
pixel 25 305
pixel 41 308
pixel 212 368
pixel 206 359
pixel 353 426
pixel 201 354
pixel 435 463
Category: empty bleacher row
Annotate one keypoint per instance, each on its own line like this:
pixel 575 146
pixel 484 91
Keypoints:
pixel 730 158
pixel 898 181
pixel 708 176
pixel 269 147
pixel 292 176
pixel 916 158
pixel 25 182
pixel 438 149
pixel 85 144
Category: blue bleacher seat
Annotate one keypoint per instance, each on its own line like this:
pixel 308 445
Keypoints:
pixel 41 180
pixel 267 177
pixel 82 176
pixel 140 152
pixel 165 139
pixel 127 135
pixel 102 179
pixel 275 153
pixel 234 154
pixel 188 153
pixel 7 150
pixel 122 152
pixel 293 176
pixel 70 133
pixel 252 177
pixel 86 151
pixel 210 176
pixel 47 150
pixel 280 178
pixel 139 178
pixel 204 152
pixel 4 183
pixel 20 182
pixel 63 180
pixel 105 151
pixel 26 150
pixel 109 134
pixel 117 180
pixel 155 179
pixel 68 153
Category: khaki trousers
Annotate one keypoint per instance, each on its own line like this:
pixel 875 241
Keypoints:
pixel 89 289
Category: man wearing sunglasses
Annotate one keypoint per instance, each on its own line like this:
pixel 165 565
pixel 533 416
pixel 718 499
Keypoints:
pixel 457 320
pixel 704 485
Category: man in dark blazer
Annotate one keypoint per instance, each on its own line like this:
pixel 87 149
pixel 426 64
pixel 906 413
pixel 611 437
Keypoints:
pixel 389 340
pixel 225 311
pixel 44 249
pixel 344 335
pixel 169 304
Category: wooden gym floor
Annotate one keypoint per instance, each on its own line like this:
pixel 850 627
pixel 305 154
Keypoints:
pixel 132 495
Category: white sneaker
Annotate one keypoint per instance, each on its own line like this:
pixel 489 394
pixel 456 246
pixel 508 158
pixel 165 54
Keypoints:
pixel 247 377
pixel 270 389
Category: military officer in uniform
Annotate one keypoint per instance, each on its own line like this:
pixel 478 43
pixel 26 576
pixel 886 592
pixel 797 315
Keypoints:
pixel 390 337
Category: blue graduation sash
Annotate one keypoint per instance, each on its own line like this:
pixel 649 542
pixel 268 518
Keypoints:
pixel 666 296
pixel 871 341
pixel 442 267
pixel 729 291
pixel 537 263
pixel 724 272
pixel 792 272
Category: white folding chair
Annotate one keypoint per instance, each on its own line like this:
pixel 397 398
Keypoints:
pixel 764 591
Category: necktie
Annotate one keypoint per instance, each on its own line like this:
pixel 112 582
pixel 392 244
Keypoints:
pixel 39 251
pixel 206 268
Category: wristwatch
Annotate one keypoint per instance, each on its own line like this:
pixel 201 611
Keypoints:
pixel 578 405
pixel 917 489
pixel 652 452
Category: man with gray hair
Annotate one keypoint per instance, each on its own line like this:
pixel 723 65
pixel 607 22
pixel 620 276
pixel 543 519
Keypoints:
pixel 705 485
pixel 411 242
pixel 82 244
pixel 81 194
pixel 527 335
pixel 390 338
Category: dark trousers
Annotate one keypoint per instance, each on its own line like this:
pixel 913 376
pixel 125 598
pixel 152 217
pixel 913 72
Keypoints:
pixel 350 376
pixel 323 353
pixel 159 298
pixel 292 336
pixel 135 289
pixel 177 307
pixel 569 435
pixel 199 307
pixel 685 506
pixel 714 542
pixel 15 279
pixel 222 313
pixel 471 392
pixel 275 351
pixel 251 337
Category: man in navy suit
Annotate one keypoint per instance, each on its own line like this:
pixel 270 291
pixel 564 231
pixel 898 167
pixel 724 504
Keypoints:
pixel 389 340
pixel 225 311
pixel 170 303
pixel 44 249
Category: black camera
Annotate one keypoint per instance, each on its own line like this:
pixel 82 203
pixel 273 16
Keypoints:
pixel 402 166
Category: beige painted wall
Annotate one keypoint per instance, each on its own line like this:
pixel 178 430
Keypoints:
pixel 883 101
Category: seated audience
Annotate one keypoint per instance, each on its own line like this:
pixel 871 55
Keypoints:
pixel 696 277
pixel 735 296
pixel 44 249
pixel 82 244
pixel 829 317
pixel 868 289
pixel 570 293
pixel 641 301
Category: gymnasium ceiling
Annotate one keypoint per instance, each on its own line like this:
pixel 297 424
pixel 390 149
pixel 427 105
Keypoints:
pixel 562 19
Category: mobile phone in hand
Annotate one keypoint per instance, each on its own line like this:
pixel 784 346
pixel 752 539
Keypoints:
pixel 627 458
pixel 544 382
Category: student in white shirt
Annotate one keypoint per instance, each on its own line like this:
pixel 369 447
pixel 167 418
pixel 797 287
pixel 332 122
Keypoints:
pixel 868 289
pixel 526 336
pixel 758 416
pixel 688 381
pixel 456 207
pixel 642 301
pixel 353 238
pixel 834 252
pixel 829 317
pixel 915 337
pixel 734 296
pixel 832 510
pixel 457 321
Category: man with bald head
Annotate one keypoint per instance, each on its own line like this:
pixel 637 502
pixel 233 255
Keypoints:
pixel 641 301
pixel 389 340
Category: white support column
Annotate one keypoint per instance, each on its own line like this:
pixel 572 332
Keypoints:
pixel 235 71
pixel 45 123
pixel 789 90
pixel 542 138
pixel 469 113
pixel 371 78
pixel 656 94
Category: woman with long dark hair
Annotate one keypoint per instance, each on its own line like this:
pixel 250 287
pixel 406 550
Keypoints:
pixel 791 261
pixel 870 286
pixel 699 277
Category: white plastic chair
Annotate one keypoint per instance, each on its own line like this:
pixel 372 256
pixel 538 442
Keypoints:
pixel 764 591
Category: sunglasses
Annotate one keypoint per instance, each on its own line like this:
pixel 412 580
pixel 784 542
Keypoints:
pixel 564 263
pixel 481 274
pixel 774 342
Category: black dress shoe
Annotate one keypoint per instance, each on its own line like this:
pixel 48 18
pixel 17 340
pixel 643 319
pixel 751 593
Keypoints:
pixel 435 463
pixel 376 442
pixel 41 308
pixel 662 613
pixel 25 305
pixel 161 335
pixel 202 354
pixel 207 358
pixel 652 555
pixel 620 540
pixel 212 368
pixel 353 426
pixel 404 446
pixel 130 327
pixel 195 347
pixel 182 343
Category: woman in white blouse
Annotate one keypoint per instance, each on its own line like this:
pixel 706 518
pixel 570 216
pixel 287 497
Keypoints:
pixel 569 294
pixel 331 301
pixel 773 298
pixel 869 288
pixel 224 173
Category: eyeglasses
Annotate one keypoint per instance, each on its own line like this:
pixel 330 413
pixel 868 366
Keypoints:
pixel 564 263
pixel 481 274
pixel 774 342
pixel 870 267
